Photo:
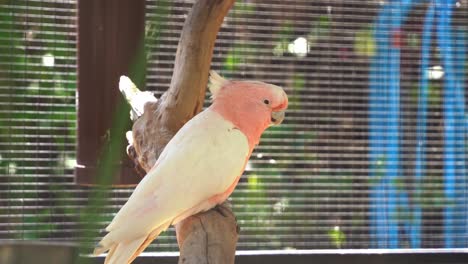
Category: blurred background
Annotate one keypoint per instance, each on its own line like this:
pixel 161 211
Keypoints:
pixel 372 153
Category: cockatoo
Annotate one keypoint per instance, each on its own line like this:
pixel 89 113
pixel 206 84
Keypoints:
pixel 199 168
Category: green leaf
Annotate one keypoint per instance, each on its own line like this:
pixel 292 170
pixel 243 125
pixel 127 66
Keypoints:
pixel 364 42
pixel 337 237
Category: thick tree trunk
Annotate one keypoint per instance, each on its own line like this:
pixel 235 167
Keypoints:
pixel 208 237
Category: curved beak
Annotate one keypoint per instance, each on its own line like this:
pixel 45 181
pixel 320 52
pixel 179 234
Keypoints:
pixel 277 117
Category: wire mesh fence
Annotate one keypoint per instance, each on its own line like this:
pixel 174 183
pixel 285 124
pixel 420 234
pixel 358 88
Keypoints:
pixel 371 154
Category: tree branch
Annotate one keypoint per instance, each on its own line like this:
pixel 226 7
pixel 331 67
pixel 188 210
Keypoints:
pixel 193 60
pixel 186 94
pixel 208 237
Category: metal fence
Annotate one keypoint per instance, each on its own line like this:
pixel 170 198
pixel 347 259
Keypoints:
pixel 371 155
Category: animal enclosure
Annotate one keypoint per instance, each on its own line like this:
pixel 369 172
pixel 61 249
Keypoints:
pixel 372 153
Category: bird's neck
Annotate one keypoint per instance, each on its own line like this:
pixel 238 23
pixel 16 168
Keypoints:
pixel 251 124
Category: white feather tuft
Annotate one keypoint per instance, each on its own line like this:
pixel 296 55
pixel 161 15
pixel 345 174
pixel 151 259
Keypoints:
pixel 136 98
pixel 215 83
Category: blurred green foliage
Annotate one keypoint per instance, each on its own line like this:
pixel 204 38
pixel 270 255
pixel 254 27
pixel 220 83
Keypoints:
pixel 37 114
pixel 320 29
pixel 337 237
pixel 364 42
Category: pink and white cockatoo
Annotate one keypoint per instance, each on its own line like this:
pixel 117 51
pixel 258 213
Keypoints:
pixel 199 168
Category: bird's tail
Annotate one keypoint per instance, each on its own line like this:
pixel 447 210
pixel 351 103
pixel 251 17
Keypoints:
pixel 121 252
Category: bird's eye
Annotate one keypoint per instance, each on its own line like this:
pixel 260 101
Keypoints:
pixel 266 101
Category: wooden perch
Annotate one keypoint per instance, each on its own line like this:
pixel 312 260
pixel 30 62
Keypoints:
pixel 208 237
pixel 184 99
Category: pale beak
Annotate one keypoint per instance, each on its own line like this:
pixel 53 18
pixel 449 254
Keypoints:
pixel 277 117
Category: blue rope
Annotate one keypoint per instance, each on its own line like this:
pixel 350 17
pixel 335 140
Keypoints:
pixel 419 167
pixel 444 37
pixel 384 118
pixel 461 204
pixel 378 132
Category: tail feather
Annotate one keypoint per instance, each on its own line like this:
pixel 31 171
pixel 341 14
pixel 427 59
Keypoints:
pixel 111 252
pixel 126 251
pixel 105 244
pixel 99 250
pixel 122 252
pixel 152 236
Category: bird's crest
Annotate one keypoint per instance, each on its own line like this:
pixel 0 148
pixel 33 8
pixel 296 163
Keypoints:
pixel 215 83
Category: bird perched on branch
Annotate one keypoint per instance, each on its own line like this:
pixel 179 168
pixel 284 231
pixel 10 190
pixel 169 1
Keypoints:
pixel 199 168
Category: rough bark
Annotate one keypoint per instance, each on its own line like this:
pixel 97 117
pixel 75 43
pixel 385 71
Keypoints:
pixel 186 94
pixel 208 237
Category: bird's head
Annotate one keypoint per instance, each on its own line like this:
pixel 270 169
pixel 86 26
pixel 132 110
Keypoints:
pixel 251 106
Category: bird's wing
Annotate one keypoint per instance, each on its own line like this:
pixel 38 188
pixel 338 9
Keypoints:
pixel 202 160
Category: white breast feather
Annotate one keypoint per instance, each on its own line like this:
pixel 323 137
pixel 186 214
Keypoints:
pixel 202 160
